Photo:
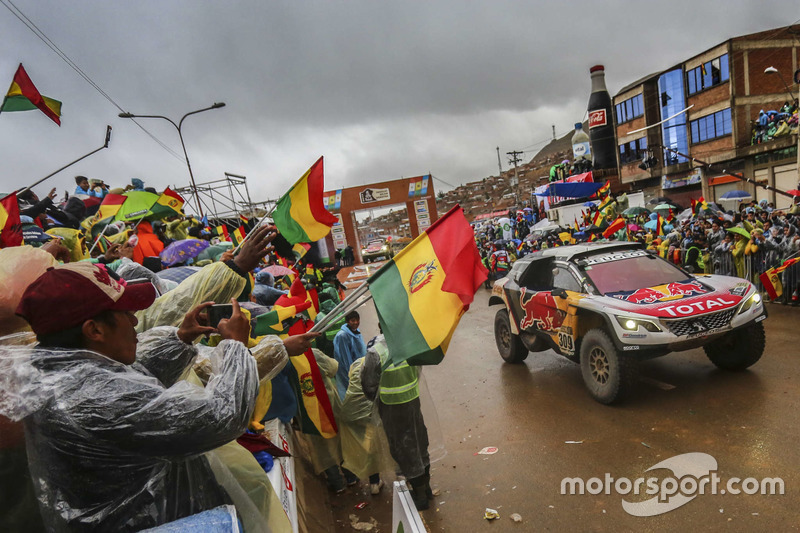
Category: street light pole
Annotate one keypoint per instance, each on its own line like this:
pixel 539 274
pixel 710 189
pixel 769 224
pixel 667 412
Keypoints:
pixel 178 126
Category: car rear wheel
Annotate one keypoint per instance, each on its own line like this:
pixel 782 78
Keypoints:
pixel 509 345
pixel 607 373
pixel 738 349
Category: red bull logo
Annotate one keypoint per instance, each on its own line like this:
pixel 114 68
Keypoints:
pixel 642 296
pixel 685 289
pixel 541 311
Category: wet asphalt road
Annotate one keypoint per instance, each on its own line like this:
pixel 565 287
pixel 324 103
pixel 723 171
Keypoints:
pixel 747 421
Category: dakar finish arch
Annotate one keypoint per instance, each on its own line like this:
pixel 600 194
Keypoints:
pixel 416 193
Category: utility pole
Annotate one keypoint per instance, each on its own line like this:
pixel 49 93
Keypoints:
pixel 499 165
pixel 514 159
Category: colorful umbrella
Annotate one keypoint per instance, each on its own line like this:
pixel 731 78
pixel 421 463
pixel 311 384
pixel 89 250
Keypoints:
pixel 634 211
pixel 664 207
pixel 737 195
pixel 278 270
pixel 741 231
pixel 137 205
pixel 793 192
pixel 182 251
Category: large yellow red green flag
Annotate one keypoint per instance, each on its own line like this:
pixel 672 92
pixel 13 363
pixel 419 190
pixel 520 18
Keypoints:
pixel 23 96
pixel 300 214
pixel 422 292
pixel 168 204
pixel 770 280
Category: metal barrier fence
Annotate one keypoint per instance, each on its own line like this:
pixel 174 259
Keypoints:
pixel 750 267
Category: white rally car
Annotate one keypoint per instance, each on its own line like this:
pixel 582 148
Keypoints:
pixel 608 306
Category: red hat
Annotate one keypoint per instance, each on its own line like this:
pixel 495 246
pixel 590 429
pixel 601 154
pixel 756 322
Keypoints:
pixel 67 295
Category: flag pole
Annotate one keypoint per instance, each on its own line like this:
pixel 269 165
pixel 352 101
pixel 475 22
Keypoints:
pixel 98 238
pixel 260 222
pixel 105 145
pixel 344 307
pixel 352 302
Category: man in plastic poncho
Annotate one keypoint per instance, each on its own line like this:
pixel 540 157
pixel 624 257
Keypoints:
pixel 348 345
pixel 114 438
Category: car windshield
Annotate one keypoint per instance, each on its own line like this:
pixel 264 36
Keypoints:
pixel 632 273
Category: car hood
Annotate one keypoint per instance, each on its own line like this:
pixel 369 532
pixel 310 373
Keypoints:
pixel 693 296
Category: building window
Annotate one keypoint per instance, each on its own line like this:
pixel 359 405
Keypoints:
pixel 711 127
pixel 630 109
pixel 673 131
pixel 632 151
pixel 709 74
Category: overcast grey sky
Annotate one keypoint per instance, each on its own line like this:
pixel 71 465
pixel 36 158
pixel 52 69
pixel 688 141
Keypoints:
pixel 382 90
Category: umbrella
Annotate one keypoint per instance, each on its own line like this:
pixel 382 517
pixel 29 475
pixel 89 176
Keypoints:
pixel 651 225
pixel 589 204
pixel 181 251
pixel 659 200
pixel 136 206
pixel 278 270
pixel 633 227
pixel 664 207
pixel 736 195
pixel 214 251
pixel 529 209
pixel 500 242
pixel 741 231
pixel 793 192
pixel 633 211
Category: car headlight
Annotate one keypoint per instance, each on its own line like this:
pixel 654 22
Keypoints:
pixel 754 300
pixel 363 251
pixel 384 248
pixel 633 324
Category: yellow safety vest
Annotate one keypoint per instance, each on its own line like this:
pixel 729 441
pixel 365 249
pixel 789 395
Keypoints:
pixel 399 383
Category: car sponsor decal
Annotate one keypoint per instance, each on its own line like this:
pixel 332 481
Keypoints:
pixel 662 293
pixel 541 311
pixel 694 308
pixel 615 256
pixel 739 289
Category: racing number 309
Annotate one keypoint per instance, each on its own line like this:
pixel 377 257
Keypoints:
pixel 565 342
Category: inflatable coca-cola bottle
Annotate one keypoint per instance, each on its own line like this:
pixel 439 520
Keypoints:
pixel 601 122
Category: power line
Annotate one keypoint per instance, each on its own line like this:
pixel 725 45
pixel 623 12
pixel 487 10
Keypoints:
pixel 17 12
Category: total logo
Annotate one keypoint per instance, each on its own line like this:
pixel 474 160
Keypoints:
pixel 697 307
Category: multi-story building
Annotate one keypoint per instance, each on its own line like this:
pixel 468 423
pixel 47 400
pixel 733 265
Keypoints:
pixel 706 109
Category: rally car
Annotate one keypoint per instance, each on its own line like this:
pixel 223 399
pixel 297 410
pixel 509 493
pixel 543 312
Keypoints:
pixel 609 306
pixel 376 250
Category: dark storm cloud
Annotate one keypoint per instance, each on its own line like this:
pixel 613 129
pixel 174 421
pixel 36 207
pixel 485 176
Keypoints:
pixel 383 90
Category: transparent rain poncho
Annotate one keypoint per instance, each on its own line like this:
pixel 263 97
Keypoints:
pixel 365 450
pixel 216 282
pixel 119 448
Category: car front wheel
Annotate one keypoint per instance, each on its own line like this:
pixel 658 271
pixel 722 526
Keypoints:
pixel 607 373
pixel 738 349
pixel 509 345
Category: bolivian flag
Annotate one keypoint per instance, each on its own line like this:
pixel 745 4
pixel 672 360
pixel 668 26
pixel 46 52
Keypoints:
pixel 168 204
pixel 659 226
pixel 422 292
pixel 603 191
pixel 222 232
pixel 300 214
pixel 23 96
pixel 10 225
pixel 614 227
pixel 237 236
pixel 770 280
pixel 105 214
pixel 272 323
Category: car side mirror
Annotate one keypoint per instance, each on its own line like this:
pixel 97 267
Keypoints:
pixel 561 293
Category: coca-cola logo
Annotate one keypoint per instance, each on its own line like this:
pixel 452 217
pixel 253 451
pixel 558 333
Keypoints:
pixel 597 118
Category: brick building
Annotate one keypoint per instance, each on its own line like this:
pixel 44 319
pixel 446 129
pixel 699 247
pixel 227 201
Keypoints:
pixel 727 88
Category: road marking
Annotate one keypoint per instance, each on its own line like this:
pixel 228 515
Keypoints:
pixel 659 384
